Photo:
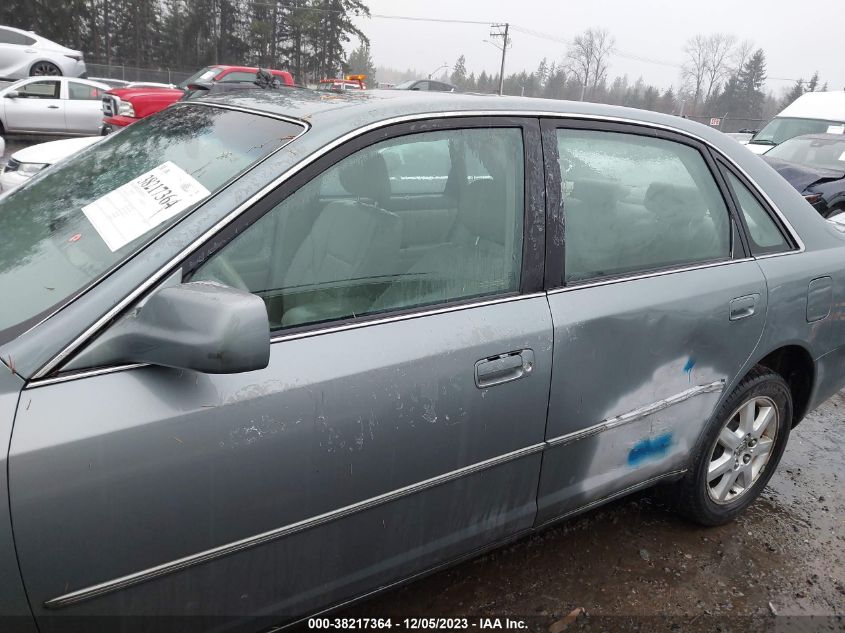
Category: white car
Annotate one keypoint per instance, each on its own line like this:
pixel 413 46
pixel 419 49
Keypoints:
pixel 54 105
pixel 27 162
pixel 25 54
pixel 811 113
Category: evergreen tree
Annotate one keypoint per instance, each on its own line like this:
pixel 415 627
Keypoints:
pixel 750 80
pixel 361 63
pixel 796 91
pixel 483 83
pixel 667 101
pixel 543 72
pixel 459 72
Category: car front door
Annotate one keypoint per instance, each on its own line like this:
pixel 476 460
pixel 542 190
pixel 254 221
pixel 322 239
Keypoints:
pixel 399 424
pixel 83 107
pixel 655 306
pixel 38 107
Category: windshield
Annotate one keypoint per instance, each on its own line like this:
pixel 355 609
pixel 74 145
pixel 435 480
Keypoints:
pixel 825 153
pixel 206 74
pixel 781 129
pixel 72 223
pixel 405 84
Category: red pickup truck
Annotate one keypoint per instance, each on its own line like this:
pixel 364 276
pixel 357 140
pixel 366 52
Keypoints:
pixel 124 106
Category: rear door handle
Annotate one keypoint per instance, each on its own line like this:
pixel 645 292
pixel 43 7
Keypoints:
pixel 743 307
pixel 496 370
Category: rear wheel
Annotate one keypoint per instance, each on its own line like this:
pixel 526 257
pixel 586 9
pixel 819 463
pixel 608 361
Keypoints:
pixel 740 451
pixel 44 68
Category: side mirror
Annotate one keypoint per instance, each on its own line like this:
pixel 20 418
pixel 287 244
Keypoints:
pixel 12 94
pixel 202 326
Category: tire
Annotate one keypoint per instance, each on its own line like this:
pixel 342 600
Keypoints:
pixel 46 69
pixel 719 501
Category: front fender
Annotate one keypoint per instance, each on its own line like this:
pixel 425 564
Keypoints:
pixel 15 614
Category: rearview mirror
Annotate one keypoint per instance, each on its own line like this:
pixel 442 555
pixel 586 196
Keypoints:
pixel 12 94
pixel 203 326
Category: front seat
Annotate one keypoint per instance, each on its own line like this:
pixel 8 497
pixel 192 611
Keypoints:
pixel 475 261
pixel 352 240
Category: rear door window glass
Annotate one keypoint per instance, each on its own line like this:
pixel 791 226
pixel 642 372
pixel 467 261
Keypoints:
pixel 238 75
pixel 11 37
pixel 83 92
pixel 634 203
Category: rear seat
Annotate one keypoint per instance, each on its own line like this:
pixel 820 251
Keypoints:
pixel 683 214
pixel 602 233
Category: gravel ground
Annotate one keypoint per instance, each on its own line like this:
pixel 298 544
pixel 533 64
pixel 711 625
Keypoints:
pixel 632 565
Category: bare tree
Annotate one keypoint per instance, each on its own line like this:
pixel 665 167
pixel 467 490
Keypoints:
pixel 717 61
pixel 588 55
pixel 694 70
pixel 742 53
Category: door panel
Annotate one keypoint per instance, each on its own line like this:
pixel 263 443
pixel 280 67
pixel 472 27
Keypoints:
pixel 658 352
pixel 117 473
pixel 659 313
pixel 83 108
pixel 41 110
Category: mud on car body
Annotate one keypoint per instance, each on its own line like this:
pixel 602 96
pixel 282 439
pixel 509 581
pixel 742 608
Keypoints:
pixel 275 350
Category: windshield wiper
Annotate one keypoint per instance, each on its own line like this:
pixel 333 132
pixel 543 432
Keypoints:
pixel 762 141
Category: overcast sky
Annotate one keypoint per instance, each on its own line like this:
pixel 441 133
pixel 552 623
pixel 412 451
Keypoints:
pixel 797 42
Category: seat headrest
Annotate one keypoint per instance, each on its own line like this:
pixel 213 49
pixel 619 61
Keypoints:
pixel 597 193
pixel 367 177
pixel 665 198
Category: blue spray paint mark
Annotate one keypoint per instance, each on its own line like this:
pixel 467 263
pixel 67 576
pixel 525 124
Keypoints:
pixel 649 448
pixel 688 368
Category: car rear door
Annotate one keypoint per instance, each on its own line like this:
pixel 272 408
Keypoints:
pixel 83 107
pixel 655 304
pixel 399 424
pixel 14 51
pixel 39 107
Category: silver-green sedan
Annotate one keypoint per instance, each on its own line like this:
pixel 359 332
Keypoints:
pixel 265 354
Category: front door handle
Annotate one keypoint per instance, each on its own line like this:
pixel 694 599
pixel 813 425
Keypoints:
pixel 52 107
pixel 496 370
pixel 743 307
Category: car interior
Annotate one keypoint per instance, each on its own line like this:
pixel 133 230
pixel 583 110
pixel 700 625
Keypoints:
pixel 435 217
pixel 636 205
pixel 414 221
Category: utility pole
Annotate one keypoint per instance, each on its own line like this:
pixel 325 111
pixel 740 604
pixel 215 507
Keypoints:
pixel 501 30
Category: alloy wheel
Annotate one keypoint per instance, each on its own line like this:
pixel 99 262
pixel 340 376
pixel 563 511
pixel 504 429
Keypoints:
pixel 44 68
pixel 742 449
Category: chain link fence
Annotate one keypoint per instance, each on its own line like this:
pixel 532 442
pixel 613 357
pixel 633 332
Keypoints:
pixel 132 73
pixel 730 124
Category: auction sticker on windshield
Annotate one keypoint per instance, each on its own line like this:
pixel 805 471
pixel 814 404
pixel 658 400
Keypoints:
pixel 126 213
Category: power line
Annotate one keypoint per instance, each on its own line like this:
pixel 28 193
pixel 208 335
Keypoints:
pixel 383 16
pixel 520 29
